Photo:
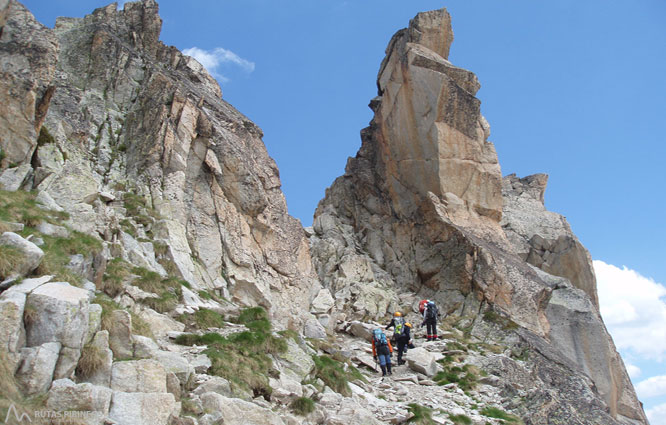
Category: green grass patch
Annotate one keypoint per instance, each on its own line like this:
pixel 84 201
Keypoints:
pixel 116 274
pixel 504 322
pixel 168 289
pixel 422 415
pixel 58 252
pixel 288 333
pixel 494 412
pixel 21 207
pixel 91 360
pixel 302 406
pixel 203 319
pixel 460 419
pixel 44 137
pixel 336 373
pixel 465 377
pixel 10 258
pixel 243 358
pixel 139 326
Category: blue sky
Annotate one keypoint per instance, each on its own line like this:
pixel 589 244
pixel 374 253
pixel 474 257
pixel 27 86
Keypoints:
pixel 572 89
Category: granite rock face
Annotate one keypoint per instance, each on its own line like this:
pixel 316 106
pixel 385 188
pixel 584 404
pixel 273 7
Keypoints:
pixel 131 119
pixel 544 238
pixel 27 68
pixel 422 208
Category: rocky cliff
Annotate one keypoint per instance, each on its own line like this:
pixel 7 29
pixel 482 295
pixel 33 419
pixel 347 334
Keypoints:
pixel 150 273
pixel 422 208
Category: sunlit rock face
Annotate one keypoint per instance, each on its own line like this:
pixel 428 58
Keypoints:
pixel 421 210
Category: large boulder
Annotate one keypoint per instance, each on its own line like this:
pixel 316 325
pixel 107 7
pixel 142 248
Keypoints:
pixel 235 411
pixel 30 254
pixel 65 395
pixel 142 408
pixel 57 312
pixel 422 361
pixel 12 332
pixel 38 364
pixel 143 376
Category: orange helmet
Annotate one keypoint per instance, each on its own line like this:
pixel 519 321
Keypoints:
pixel 397 314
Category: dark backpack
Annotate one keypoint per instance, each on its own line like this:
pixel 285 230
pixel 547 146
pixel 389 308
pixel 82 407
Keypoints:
pixel 379 337
pixel 431 310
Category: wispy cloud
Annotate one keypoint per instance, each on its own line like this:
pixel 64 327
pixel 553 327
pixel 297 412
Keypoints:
pixel 633 370
pixel 657 415
pixel 652 387
pixel 634 309
pixel 214 60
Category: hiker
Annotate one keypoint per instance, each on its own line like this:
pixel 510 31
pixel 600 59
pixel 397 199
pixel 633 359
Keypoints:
pixel 404 340
pixel 398 323
pixel 429 311
pixel 382 349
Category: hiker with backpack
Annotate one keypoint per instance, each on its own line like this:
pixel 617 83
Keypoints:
pixel 430 313
pixel 401 334
pixel 382 350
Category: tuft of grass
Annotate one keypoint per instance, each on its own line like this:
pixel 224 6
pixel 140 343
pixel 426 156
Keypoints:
pixel 139 326
pixel 168 289
pixel 44 137
pixel 91 360
pixel 10 257
pixel 335 375
pixel 460 419
pixel 494 412
pixel 465 377
pixel 58 252
pixel 116 274
pixel 288 333
pixel 21 207
pixel 504 322
pixel 202 319
pixel 302 406
pixel 249 352
pixel 422 415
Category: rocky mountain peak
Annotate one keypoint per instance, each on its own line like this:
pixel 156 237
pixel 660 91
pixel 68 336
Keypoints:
pixel 432 30
pixel 144 212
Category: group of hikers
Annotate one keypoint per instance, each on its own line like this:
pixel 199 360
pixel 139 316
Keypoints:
pixel 382 349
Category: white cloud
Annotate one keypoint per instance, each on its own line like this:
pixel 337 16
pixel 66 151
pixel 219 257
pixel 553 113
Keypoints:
pixel 657 415
pixel 652 387
pixel 633 370
pixel 212 60
pixel 633 310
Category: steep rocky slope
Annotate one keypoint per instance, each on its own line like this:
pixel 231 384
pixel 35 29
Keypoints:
pixel 421 208
pixel 150 273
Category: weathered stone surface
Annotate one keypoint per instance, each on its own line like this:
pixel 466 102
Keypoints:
pixel 176 363
pixel 120 334
pixel 239 412
pixel 323 302
pixel 102 374
pixel 58 313
pixel 160 129
pixel 12 332
pixel 214 384
pixel 28 54
pixel 422 361
pixel 296 360
pixel 65 395
pixel 314 329
pixel 543 238
pixel 13 179
pixel 35 372
pixel 141 408
pixel 143 376
pixel 31 254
